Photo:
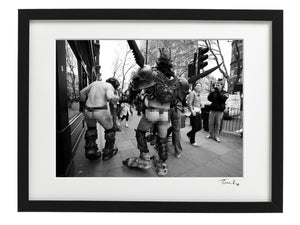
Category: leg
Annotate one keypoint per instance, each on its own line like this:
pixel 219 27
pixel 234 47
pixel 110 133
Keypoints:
pixel 113 112
pixel 109 149
pixel 127 118
pixel 91 149
pixel 162 144
pixel 105 120
pixel 191 134
pixel 211 124
pixel 170 131
pixel 176 137
pixel 219 116
pixel 143 161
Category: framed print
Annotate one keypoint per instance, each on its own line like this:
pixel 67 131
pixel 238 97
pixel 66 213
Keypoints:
pixel 140 110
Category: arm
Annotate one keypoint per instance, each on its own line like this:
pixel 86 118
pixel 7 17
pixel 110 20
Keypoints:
pixel 110 93
pixel 210 97
pixel 223 96
pixel 190 103
pixel 84 92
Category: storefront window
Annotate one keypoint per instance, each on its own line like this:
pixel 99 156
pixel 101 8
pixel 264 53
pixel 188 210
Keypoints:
pixel 72 82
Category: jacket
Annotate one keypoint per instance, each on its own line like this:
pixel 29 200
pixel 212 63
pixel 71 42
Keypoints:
pixel 217 99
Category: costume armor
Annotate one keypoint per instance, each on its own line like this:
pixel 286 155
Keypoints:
pixel 164 88
pixel 91 149
pixel 109 149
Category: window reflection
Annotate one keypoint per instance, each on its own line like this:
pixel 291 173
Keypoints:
pixel 72 82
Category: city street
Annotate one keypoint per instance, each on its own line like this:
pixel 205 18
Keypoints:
pixel 210 159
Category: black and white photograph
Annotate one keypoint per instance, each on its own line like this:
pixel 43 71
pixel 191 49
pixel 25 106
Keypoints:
pixel 149 108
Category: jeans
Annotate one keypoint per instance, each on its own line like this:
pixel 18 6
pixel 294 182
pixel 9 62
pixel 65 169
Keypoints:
pixel 175 116
pixel 196 126
pixel 214 123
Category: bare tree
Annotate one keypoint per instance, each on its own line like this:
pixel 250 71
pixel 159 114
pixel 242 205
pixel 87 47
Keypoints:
pixel 216 52
pixel 116 67
pixel 126 67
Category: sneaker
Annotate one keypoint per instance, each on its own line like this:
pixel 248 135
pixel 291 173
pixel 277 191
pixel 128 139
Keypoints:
pixel 217 139
pixel 208 136
pixel 142 162
pixel 178 155
pixel 161 168
pixel 195 144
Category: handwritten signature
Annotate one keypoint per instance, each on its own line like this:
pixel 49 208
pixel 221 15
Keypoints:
pixel 229 181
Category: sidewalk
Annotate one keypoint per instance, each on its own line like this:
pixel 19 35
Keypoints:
pixel 210 159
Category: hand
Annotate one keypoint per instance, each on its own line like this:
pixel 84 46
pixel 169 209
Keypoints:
pixel 193 113
pixel 212 90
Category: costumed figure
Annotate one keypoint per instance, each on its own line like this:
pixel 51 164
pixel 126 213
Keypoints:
pixel 96 95
pixel 160 87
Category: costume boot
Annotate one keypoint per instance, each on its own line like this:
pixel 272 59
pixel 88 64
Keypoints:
pixel 91 149
pixel 161 164
pixel 143 161
pixel 109 149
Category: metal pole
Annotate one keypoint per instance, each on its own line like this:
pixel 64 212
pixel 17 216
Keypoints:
pixel 146 62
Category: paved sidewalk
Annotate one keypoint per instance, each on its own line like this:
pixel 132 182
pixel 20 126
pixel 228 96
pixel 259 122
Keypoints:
pixel 210 159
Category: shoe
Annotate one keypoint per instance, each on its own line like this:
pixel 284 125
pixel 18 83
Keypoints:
pixel 161 168
pixel 93 154
pixel 118 129
pixel 208 136
pixel 178 155
pixel 126 125
pixel 217 139
pixel 108 154
pixel 142 162
pixel 195 144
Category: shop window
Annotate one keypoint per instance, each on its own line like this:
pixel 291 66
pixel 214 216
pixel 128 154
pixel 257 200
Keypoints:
pixel 72 82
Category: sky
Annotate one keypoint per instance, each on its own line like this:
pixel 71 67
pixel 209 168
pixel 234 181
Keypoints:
pixel 109 49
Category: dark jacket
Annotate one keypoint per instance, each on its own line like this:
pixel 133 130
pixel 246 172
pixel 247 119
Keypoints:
pixel 217 99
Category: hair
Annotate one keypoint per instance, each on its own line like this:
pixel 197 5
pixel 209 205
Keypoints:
pixel 114 82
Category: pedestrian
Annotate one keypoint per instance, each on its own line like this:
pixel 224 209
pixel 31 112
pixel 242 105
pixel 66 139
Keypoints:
pixel 194 104
pixel 125 112
pixel 95 97
pixel 217 97
pixel 176 109
pixel 139 104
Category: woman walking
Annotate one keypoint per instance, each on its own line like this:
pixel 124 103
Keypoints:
pixel 194 104
pixel 125 112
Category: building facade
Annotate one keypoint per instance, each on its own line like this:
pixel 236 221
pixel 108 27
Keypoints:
pixel 77 65
pixel 235 83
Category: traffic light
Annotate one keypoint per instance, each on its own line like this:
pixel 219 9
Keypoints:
pixel 192 67
pixel 191 70
pixel 201 58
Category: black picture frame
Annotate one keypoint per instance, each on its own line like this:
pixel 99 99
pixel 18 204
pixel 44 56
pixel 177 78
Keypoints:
pixel 273 16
